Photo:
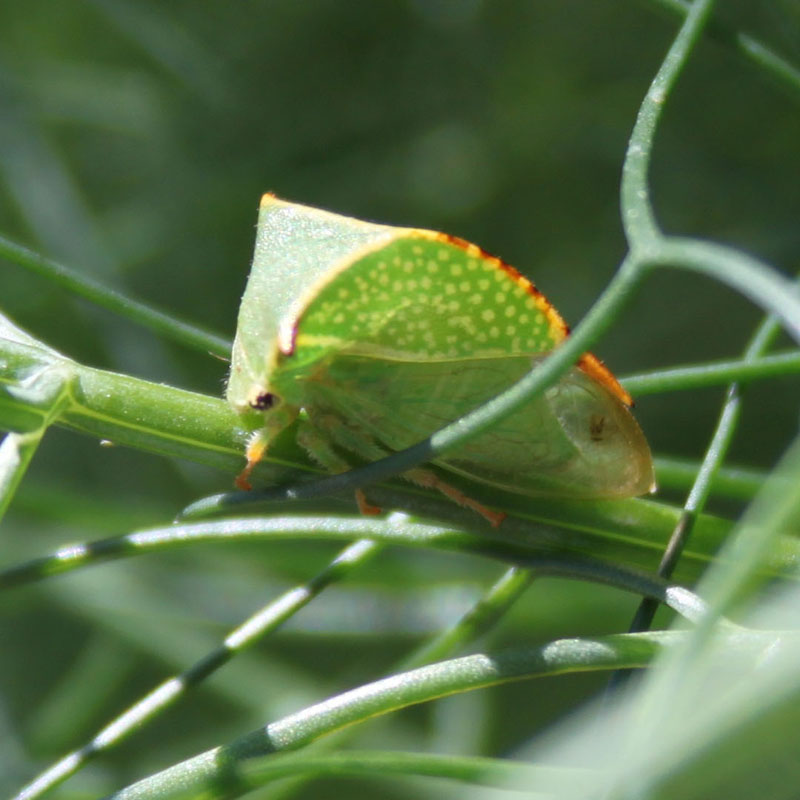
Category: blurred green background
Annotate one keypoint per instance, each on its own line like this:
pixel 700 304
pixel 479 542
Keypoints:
pixel 135 141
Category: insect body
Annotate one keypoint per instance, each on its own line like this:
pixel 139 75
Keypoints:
pixel 384 335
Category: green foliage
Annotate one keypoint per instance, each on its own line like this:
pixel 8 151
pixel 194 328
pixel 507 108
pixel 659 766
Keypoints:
pixel 136 139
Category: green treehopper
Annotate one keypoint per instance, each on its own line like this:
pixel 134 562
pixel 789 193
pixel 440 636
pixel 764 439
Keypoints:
pixel 383 335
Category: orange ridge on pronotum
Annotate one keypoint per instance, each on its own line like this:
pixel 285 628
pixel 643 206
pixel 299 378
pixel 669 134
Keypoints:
pixel 588 362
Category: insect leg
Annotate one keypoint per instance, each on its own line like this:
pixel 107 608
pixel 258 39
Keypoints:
pixel 366 447
pixel 318 447
pixel 430 480
pixel 257 445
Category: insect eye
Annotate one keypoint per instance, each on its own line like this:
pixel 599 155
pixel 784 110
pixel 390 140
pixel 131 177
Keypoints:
pixel 263 401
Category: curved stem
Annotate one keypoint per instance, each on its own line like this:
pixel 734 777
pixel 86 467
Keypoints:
pixel 227 771
pixel 395 530
pixel 638 220
pixel 141 313
pixel 747 46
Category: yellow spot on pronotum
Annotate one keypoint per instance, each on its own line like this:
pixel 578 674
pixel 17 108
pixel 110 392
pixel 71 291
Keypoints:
pixel 487 315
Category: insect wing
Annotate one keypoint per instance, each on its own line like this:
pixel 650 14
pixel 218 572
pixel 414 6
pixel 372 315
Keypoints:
pixel 576 440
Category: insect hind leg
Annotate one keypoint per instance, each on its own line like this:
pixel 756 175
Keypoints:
pixel 365 446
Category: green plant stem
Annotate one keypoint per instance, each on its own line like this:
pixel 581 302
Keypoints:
pixel 747 46
pixel 775 293
pixel 496 772
pixel 481 617
pixel 736 483
pixel 701 487
pixel 397 529
pixel 219 770
pixel 477 620
pixel 167 693
pixel 715 455
pixel 158 321
pixel 227 771
pixel 712 462
pixel 776 508
pixel 381 697
pixel 116 408
pixel 714 373
pixel 696 500
pixel 638 219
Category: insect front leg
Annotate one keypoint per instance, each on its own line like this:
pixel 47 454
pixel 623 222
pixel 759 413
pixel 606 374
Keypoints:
pixel 257 445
